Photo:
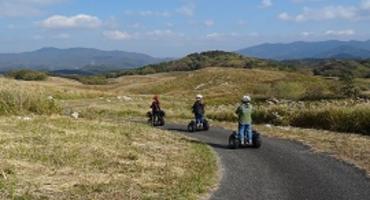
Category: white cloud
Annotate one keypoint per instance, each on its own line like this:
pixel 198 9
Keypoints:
pixel 354 12
pixel 365 4
pixel 77 21
pixel 21 8
pixel 214 35
pixel 187 10
pixel 116 35
pixel 61 36
pixel 347 32
pixel 326 13
pixel 242 23
pixel 266 3
pixel 162 33
pixel 285 16
pixel 148 13
pixel 209 23
pixel 307 34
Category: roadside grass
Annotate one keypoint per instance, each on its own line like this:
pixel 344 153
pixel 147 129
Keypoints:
pixel 342 116
pixel 62 158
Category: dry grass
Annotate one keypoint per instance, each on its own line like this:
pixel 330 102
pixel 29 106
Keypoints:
pixel 60 158
pixel 224 85
pixel 59 88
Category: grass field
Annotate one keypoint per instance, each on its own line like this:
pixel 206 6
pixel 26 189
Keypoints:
pixel 50 155
pixel 109 153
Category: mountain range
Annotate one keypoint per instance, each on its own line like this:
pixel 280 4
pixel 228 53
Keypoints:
pixel 86 61
pixel 78 59
pixel 316 50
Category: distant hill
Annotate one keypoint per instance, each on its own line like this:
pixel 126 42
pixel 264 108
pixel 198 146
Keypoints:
pixel 205 59
pixel 195 61
pixel 85 59
pixel 304 50
pixel 332 67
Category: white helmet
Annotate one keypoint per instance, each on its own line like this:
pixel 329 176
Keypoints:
pixel 246 99
pixel 199 96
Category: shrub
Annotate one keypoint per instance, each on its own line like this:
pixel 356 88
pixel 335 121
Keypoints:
pixel 27 75
pixel 335 119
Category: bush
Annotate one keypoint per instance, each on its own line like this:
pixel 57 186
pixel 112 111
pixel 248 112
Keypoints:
pixel 18 101
pixel 335 119
pixel 27 75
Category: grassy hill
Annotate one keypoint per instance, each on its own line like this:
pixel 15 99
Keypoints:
pixel 322 67
pixel 227 85
pixel 202 60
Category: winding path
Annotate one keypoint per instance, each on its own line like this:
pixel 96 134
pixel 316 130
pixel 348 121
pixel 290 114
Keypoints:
pixel 281 169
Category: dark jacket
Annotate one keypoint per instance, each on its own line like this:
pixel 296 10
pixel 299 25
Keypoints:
pixel 155 106
pixel 198 108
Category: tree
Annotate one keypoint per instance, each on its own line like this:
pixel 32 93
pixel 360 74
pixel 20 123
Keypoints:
pixel 349 89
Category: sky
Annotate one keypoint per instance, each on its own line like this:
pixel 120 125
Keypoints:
pixel 174 28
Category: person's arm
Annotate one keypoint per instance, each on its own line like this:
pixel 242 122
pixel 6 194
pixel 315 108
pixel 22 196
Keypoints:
pixel 237 111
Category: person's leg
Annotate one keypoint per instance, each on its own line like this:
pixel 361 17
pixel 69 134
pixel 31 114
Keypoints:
pixel 241 133
pixel 250 133
pixel 155 117
pixel 201 118
pixel 197 119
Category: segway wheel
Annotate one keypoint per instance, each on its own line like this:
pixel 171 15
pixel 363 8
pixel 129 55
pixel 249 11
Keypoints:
pixel 257 142
pixel 205 125
pixel 162 122
pixel 192 126
pixel 234 142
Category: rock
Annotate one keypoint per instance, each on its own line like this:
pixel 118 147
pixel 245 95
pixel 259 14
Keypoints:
pixel 75 115
pixel 27 118
pixel 50 98
pixel 126 98
pixel 24 118
pixel 199 86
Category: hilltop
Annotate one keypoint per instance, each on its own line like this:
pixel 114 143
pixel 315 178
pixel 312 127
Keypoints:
pixel 206 59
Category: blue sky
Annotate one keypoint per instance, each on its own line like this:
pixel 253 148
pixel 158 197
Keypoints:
pixel 173 28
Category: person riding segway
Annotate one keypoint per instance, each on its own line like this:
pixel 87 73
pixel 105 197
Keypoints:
pixel 198 110
pixel 245 136
pixel 156 117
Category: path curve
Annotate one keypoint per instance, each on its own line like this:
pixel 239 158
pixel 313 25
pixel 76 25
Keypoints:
pixel 280 170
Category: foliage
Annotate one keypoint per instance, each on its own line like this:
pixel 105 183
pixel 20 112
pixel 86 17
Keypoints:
pixel 332 67
pixel 27 75
pixel 349 89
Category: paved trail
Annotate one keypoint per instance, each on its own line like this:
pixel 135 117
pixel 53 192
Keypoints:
pixel 281 169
